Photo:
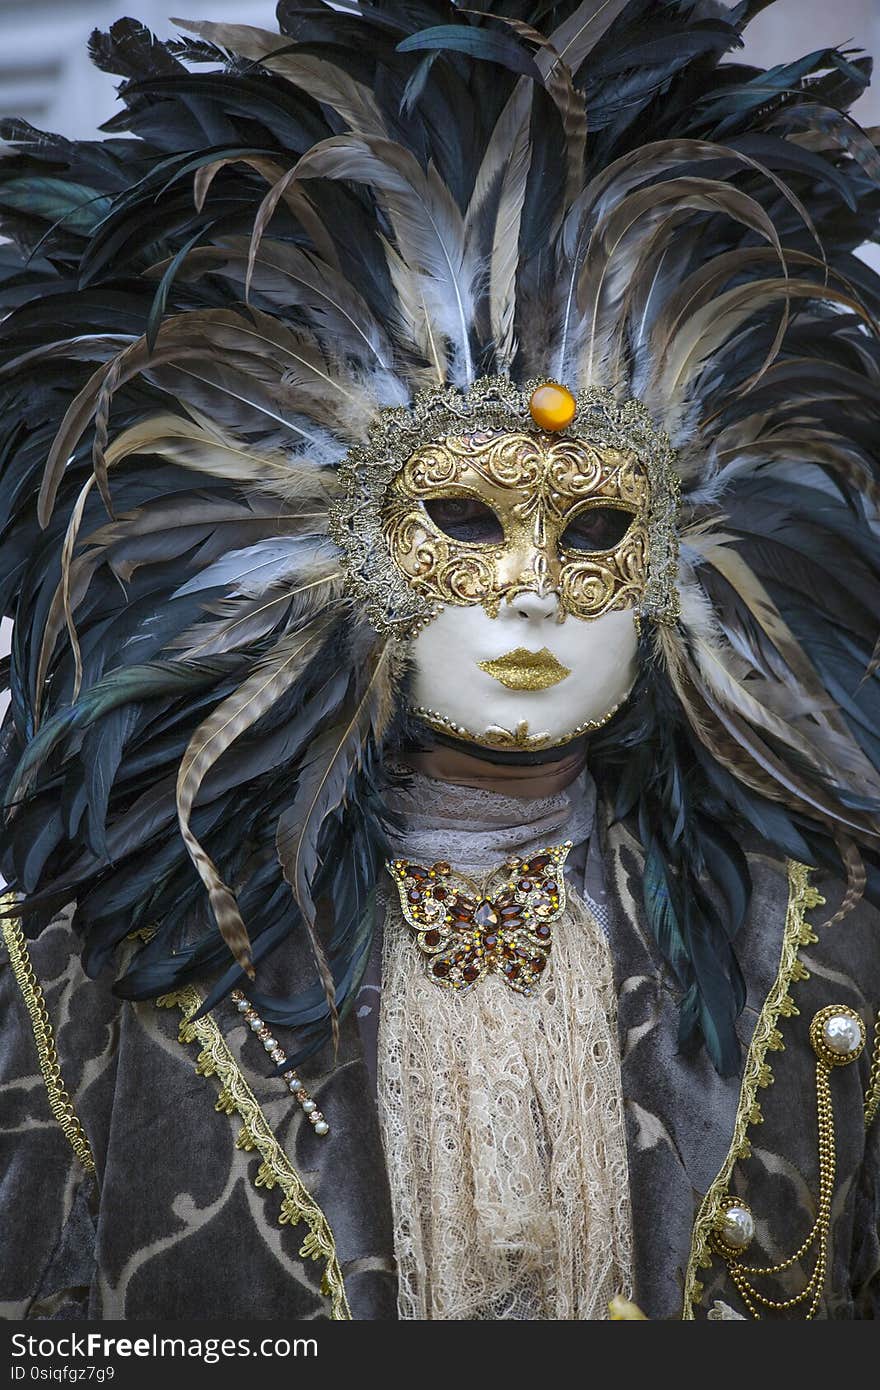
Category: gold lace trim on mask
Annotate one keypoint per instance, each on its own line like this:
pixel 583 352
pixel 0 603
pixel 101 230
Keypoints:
pixel 44 1038
pixel 766 1038
pixel 276 1169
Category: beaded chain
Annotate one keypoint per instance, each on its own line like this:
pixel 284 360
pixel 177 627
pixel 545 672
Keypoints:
pixel 872 1095
pixel 277 1053
pixel 819 1233
pixel 827 1058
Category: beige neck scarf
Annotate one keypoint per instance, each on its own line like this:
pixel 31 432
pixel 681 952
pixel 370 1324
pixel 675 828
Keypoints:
pixel 501 1114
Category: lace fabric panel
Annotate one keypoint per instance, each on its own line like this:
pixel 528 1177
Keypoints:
pixel 502 1121
pixel 476 828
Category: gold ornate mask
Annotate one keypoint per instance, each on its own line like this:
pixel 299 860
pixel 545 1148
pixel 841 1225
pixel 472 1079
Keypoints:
pixel 463 500
pixel 483 517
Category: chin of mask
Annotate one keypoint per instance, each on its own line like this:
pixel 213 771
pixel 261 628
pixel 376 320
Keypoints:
pixel 522 679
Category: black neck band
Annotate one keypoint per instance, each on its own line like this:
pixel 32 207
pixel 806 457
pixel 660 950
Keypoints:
pixel 424 737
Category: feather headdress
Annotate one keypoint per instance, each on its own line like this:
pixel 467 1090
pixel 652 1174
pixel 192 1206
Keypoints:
pixel 284 234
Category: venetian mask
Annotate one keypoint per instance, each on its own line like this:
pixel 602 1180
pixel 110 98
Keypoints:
pixel 517 560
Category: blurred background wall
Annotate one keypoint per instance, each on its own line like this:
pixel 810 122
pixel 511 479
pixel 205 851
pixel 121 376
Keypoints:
pixel 45 73
pixel 46 77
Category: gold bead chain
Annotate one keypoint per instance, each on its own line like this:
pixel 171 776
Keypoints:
pixel 818 1234
pixel 872 1095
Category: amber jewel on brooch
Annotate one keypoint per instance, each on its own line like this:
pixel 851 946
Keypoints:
pixel 468 930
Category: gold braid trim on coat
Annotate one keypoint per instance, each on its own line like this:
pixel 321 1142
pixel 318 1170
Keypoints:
pixel 59 1101
pixel 276 1169
pixel 766 1038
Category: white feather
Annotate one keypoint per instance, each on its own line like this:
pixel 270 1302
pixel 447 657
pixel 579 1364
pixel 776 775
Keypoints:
pixel 252 570
pixel 428 229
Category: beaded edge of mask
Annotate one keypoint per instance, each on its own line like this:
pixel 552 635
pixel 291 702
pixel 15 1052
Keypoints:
pixel 390 602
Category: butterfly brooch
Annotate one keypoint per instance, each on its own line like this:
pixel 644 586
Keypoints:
pixel 502 926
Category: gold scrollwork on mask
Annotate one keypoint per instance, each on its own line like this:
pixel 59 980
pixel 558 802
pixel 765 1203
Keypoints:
pixel 535 485
pixel 483 444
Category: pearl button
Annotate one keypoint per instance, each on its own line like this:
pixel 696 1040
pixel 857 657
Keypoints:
pixel 737 1227
pixel 322 1127
pixel 842 1034
pixel 838 1035
pixel 308 1106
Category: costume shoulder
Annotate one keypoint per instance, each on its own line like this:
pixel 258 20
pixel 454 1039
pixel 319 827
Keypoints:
pixel 756 1140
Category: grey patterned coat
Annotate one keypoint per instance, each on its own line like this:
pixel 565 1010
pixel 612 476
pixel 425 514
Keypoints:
pixel 179 1222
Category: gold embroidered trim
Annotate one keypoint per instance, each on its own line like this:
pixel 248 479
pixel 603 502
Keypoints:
pixel 59 1101
pixel 215 1059
pixel 872 1095
pixel 766 1038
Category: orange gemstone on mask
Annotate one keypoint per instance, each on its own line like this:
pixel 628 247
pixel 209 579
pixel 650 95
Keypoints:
pixel 552 407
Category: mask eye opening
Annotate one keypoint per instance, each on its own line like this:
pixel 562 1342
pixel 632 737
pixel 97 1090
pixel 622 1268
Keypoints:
pixel 597 528
pixel 464 518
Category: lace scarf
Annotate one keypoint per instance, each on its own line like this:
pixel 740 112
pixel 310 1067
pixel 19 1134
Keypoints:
pixel 501 1115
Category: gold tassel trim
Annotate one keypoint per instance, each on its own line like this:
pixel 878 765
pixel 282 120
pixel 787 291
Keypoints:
pixel 802 898
pixel 59 1101
pixel 275 1169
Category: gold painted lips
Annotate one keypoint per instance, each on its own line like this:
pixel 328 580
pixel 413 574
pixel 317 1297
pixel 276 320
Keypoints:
pixel 525 670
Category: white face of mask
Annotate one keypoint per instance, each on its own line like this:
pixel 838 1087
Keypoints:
pixel 522 679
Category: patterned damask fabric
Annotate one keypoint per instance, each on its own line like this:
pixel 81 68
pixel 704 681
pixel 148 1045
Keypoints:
pixel 680 1113
pixel 179 1229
